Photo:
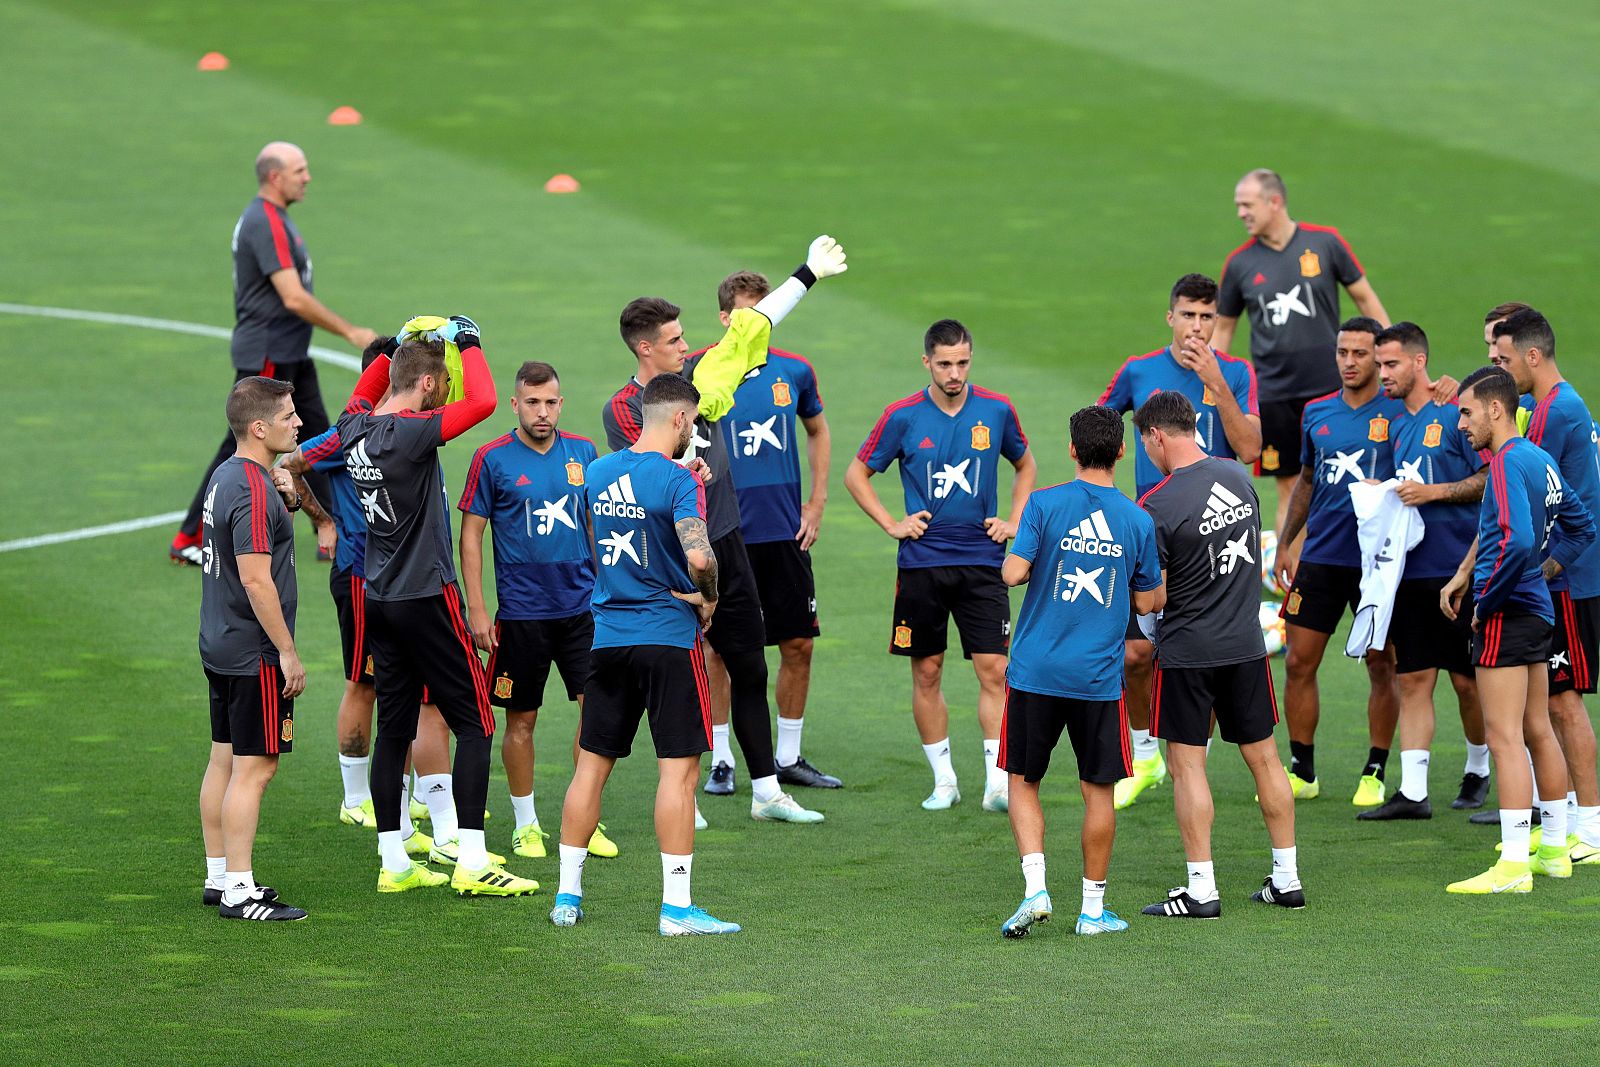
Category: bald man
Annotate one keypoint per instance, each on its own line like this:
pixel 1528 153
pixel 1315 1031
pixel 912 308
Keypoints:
pixel 274 313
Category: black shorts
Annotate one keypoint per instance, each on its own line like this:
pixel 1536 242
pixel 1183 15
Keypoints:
pixel 1511 639
pixel 1321 594
pixel 524 650
pixel 668 681
pixel 1424 639
pixel 1098 730
pixel 422 650
pixel 1280 436
pixel 250 712
pixel 350 601
pixel 1573 648
pixel 736 626
pixel 1183 699
pixel 926 597
pixel 787 587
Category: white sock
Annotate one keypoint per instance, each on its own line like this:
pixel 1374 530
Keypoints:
pixel 788 750
pixel 1144 745
pixel 238 886
pixel 721 751
pixel 1587 827
pixel 216 870
pixel 572 860
pixel 437 794
pixel 1202 880
pixel 995 779
pixel 1414 773
pixel 354 771
pixel 938 755
pixel 1094 898
pixel 473 854
pixel 407 827
pixel 1572 809
pixel 1515 826
pixel 523 810
pixel 392 851
pixel 1553 823
pixel 1286 867
pixel 1032 874
pixel 675 872
pixel 1477 760
pixel 765 789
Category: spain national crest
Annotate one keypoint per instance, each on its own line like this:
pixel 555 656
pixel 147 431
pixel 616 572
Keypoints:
pixel 1310 265
pixel 902 636
pixel 368 671
pixel 780 394
pixel 1269 458
pixel 1378 429
pixel 980 437
pixel 1208 397
pixel 1293 607
pixel 287 731
pixel 574 473
pixel 1432 436
pixel 502 687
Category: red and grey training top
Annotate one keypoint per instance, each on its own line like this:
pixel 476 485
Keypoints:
pixel 266 241
pixel 243 514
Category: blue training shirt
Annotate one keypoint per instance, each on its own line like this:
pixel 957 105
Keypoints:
pixel 764 444
pixel 949 466
pixel 1140 377
pixel 635 500
pixel 325 452
pixel 535 507
pixel 1563 427
pixel 1431 449
pixel 1342 445
pixel 1525 499
pixel 1090 547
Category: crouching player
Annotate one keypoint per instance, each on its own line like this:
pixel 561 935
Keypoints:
pixel 1095 553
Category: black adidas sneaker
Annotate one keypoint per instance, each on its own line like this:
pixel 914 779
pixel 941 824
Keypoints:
pixel 1293 897
pixel 1180 905
pixel 212 898
pixel 261 909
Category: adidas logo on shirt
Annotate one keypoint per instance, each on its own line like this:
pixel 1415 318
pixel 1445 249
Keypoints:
pixel 360 466
pixel 1092 537
pixel 1223 509
pixel 618 500
pixel 1552 487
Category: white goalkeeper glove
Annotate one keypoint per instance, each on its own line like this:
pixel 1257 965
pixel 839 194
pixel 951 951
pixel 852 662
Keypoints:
pixel 825 257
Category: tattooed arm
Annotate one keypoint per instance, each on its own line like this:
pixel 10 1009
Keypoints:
pixel 702 562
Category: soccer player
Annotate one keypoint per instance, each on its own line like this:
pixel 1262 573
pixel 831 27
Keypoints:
pixel 948 438
pixel 247 608
pixel 655 592
pixel 1512 620
pixel 1211 662
pixel 652 331
pixel 1286 278
pixel 1344 439
pixel 1095 554
pixel 1562 425
pixel 527 486
pixel 778 528
pixel 416 623
pixel 1223 392
pixel 1443 477
pixel 274 312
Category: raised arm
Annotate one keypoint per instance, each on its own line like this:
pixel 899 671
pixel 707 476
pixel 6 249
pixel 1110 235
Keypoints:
pixel 478 400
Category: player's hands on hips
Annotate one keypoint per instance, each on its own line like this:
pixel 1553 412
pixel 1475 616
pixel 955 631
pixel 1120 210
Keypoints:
pixel 825 257
pixel 361 337
pixel 1451 593
pixel 911 527
pixel 1286 566
pixel 1197 356
pixel 999 530
pixel 327 537
pixel 1444 390
pixel 1551 570
pixel 810 525
pixel 482 629
pixel 702 607
pixel 294 675
pixel 461 332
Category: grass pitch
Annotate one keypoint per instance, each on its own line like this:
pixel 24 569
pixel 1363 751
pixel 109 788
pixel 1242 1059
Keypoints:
pixel 1042 174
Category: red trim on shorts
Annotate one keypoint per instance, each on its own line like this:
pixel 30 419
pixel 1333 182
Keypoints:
pixel 358 608
pixel 1272 692
pixel 1491 642
pixel 1127 739
pixel 1578 661
pixel 1005 719
pixel 1155 699
pixel 280 236
pixel 494 657
pixel 702 684
pixel 480 685
pixel 269 705
pixel 269 369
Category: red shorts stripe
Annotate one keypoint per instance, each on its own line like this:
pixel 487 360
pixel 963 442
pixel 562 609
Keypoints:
pixel 1005 720
pixel 480 685
pixel 1155 700
pixel 358 608
pixel 1272 692
pixel 702 684
pixel 1127 739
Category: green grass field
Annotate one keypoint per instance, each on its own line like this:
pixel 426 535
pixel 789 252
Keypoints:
pixel 1042 173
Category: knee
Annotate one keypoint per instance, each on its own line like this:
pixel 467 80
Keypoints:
pixel 1137 655
pixel 1300 666
pixel 519 725
pixel 797 652
pixel 927 673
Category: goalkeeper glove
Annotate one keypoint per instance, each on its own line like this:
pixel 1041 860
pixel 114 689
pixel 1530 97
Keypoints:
pixel 461 332
pixel 825 257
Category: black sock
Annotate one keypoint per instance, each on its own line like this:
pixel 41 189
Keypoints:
pixel 1377 761
pixel 1303 761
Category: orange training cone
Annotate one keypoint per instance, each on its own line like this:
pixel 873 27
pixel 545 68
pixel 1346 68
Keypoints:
pixel 344 116
pixel 213 61
pixel 562 183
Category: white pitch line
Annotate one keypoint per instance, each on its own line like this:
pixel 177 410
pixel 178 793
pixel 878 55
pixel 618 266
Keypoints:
pixel 92 531
pixel 197 329
pixel 110 318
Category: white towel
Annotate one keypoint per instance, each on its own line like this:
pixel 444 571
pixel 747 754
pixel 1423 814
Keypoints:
pixel 1387 530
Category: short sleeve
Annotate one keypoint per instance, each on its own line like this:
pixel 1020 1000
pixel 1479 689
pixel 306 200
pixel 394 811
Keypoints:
pixel 1013 442
pixel 1119 393
pixel 1026 544
pixel 1230 293
pixel 266 239
pixel 417 433
pixel 477 496
pixel 882 446
pixel 1244 388
pixel 1147 558
pixel 249 517
pixel 325 452
pixel 1308 451
pixel 1345 265
pixel 622 429
pixel 688 496
pixel 809 404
